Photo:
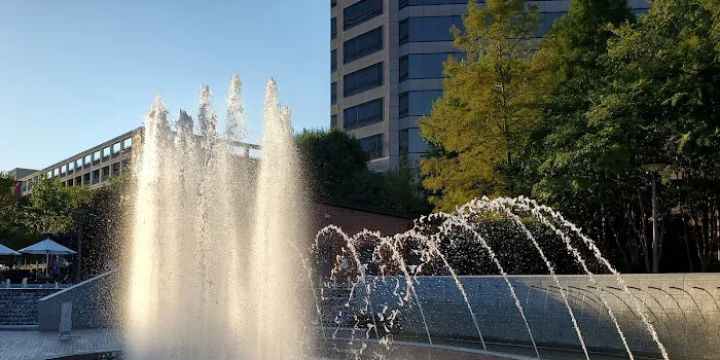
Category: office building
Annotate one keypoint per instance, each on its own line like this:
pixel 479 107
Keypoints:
pixel 386 67
pixel 96 165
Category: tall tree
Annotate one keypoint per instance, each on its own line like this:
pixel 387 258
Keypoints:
pixel 572 178
pixel 7 200
pixel 651 97
pixel 663 105
pixel 50 207
pixel 334 164
pixel 480 125
pixel 336 170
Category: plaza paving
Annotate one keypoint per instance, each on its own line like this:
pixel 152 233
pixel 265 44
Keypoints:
pixel 36 345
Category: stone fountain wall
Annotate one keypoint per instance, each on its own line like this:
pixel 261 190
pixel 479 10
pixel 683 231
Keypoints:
pixel 19 306
pixel 683 308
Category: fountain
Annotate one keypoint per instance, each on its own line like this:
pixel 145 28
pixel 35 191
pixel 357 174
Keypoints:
pixel 209 269
pixel 219 267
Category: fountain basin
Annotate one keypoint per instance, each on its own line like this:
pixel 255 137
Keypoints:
pixel 411 350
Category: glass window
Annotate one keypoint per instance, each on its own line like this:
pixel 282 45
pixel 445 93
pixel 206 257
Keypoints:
pixel 424 66
pixel 106 152
pixel 363 45
pixel 96 156
pixel 404 3
pixel 333 121
pixel 127 143
pixel 116 148
pixel 416 143
pixel 333 3
pixel 71 166
pixel 49 174
pixel 333 28
pixel 639 11
pixel 360 12
pixel 403 141
pixel 88 160
pixel 56 172
pixel 435 28
pixel 372 145
pixel 363 80
pixel 79 163
pixel 333 60
pixel 63 169
pixel 547 19
pixel 364 114
pixel 417 103
pixel 333 93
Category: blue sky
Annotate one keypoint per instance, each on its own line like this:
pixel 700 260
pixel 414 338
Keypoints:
pixel 76 73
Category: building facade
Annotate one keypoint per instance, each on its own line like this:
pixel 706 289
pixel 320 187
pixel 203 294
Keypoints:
pixel 91 167
pixel 96 165
pixel 386 68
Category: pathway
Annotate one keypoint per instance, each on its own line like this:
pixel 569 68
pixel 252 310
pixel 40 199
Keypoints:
pixel 36 345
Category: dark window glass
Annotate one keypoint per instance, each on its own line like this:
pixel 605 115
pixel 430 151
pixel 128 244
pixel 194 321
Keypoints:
pixel 372 145
pixel 546 22
pixel 333 28
pixel 417 103
pixel 333 60
pixel 363 80
pixel 363 45
pixel 333 93
pixel 403 141
pixel 437 28
pixel 641 11
pixel 364 114
pixel 333 3
pixel 333 121
pixel 360 12
pixel 404 3
pixel 424 66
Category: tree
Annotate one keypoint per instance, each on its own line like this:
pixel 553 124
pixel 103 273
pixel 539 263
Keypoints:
pixel 99 225
pixel 7 199
pixel 334 164
pixel 50 207
pixel 654 99
pixel 480 125
pixel 335 167
pixel 581 178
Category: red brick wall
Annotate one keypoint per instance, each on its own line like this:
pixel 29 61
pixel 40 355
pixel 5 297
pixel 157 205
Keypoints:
pixel 353 221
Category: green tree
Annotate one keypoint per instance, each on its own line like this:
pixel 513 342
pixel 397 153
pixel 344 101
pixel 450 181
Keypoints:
pixel 567 173
pixel 7 199
pixel 651 97
pixel 335 167
pixel 480 126
pixel 100 224
pixel 334 164
pixel 50 206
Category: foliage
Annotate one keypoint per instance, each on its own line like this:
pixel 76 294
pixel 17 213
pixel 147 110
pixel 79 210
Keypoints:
pixel 50 206
pixel 99 225
pixel 479 127
pixel 335 166
pixel 623 92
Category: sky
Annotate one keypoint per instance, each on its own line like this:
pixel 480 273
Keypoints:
pixel 76 73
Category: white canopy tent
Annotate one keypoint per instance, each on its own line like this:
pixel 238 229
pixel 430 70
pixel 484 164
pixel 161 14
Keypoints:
pixel 47 247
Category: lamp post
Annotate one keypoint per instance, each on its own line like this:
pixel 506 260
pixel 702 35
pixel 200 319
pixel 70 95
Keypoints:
pixel 654 170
